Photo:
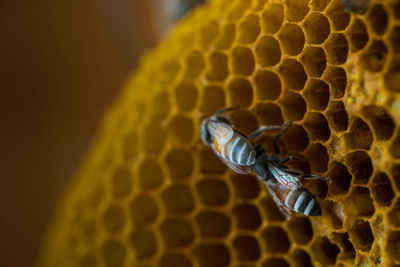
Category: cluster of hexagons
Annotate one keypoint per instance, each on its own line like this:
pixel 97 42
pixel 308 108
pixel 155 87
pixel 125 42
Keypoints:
pixel 152 194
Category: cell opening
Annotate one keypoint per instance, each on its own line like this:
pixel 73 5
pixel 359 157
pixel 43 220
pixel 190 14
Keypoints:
pixel 144 210
pixel 267 84
pixel 296 138
pixel 359 203
pixel 358 35
pixel 296 10
pixel 294 106
pixel 360 166
pixel 300 258
pixel 316 28
pixel 121 182
pixel 246 186
pixel 208 34
pixel 374 58
pixel 242 61
pixel 268 51
pixel 175 259
pixel 212 255
pixel 114 218
pixel 300 230
pixel 144 243
pixel 218 67
pixel 382 189
pixel 178 199
pixel 333 214
pixel 169 71
pixel 272 17
pixel 339 179
pixel 317 126
pixel 337 79
pixel 227 37
pixel 361 235
pixel 213 192
pixel 381 121
pixel 176 233
pixel 179 163
pixel 240 92
pixel 247 217
pixel 395 38
pixel 161 105
pixel 213 224
pixel 392 76
pixel 150 174
pixel 318 157
pixel 194 65
pixel 292 39
pixel 186 96
pixel 114 253
pixel 249 29
pixel 394 146
pixel 269 114
pixel 339 18
pixel 337 116
pixel 394 214
pixel 246 248
pixel 182 128
pixel 359 136
pixel 244 121
pixel 293 74
pixel 154 139
pixel 336 48
pixel 276 262
pixel 314 61
pixel 271 211
pixel 212 99
pixel 393 245
pixel 378 19
pixel 210 163
pixel 130 146
pixel 324 251
pixel 237 9
pixel 275 239
pixel 317 94
pixel 348 252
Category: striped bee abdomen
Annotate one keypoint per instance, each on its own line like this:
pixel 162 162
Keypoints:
pixel 236 150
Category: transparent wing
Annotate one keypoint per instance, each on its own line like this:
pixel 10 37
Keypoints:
pixel 285 211
pixel 236 168
pixel 287 177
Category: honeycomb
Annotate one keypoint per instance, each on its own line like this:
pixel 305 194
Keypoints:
pixel 151 194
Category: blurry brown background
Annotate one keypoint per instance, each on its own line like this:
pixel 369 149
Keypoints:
pixel 61 64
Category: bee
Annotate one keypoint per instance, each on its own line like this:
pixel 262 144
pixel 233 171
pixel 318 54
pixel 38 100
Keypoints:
pixel 283 183
pixel 356 6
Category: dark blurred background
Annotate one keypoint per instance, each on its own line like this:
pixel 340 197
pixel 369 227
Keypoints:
pixel 61 64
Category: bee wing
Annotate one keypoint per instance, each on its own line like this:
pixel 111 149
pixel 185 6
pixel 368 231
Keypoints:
pixel 285 176
pixel 236 168
pixel 285 211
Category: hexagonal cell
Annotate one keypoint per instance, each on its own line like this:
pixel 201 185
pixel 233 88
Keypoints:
pixel 210 163
pixel 336 49
pixel 358 35
pixel 314 60
pixel 176 233
pixel 185 96
pixel 296 10
pixel 269 114
pixel 208 33
pixel 318 157
pixel 373 59
pixel 275 239
pixel 218 67
pixel 348 253
pixel 382 189
pixel 195 64
pixel 392 76
pixel 240 92
pixel 395 38
pixel 324 251
pixel 338 17
pixel 246 248
pixel 360 166
pixel 175 259
pixel 212 192
pixel 144 243
pixel 247 217
pixel 271 211
pixel 161 105
pixel 179 163
pixel 361 235
pixel 316 28
pixel 122 182
pixel 150 174
pixel 317 94
pixel 292 39
pixel 212 255
pixel 244 121
pixel 339 179
pixel 377 18
pixel 381 121
pixel 242 61
pixel 114 218
pixel 337 79
pixel 227 37
pixel 359 136
pixel 169 71
pixel 144 210
pixel 213 224
pixel 394 214
pixel 359 203
pixel 237 9
pixel 333 213
pixel 294 106
pixel 296 138
pixel 114 253
pixel 268 51
pixel 182 128
pixel 177 198
pixel 212 99
pixel 293 74
pixel 249 29
pixel 276 262
pixel 272 17
pixel 317 126
pixel 337 116
pixel 268 85
pixel 300 230
pixel 130 146
pixel 154 139
pixel 246 186
pixel 300 258
pixel 394 147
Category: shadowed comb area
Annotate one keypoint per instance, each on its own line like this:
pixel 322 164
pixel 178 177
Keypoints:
pixel 151 194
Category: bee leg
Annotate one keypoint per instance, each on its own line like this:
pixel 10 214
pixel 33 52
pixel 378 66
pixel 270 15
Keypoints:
pixel 223 110
pixel 262 129
pixel 289 158
pixel 314 176
pixel 277 150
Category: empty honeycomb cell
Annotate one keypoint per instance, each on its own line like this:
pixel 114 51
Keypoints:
pixel 213 224
pixel 242 61
pixel 316 28
pixel 392 76
pixel 359 202
pixel 169 71
pixel 276 262
pixel 247 217
pixel 323 251
pixel 144 210
pixel 237 9
pixel 208 34
pixel 268 51
pixel 212 255
pixel 271 211
pixel 195 64
pixel 246 248
pixel 150 174
pixel 373 59
pixel 246 186
pixel 212 99
pixel 88 260
pixel 317 126
pixel 212 192
pixel 361 235
pixel 337 80
pixel 249 29
pixel 154 138
pixel 292 39
pixel 210 163
pixel 178 198
pixel 300 230
pixel 296 138
pixel 272 17
pixel 337 116
pixel 394 147
pixel 296 10
pixel 393 245
pixel 179 163
pixel 382 123
pixel 377 18
pixel 267 84
pixel 144 243
pixel 130 146
pixel 358 35
pixel 339 178
pixel 176 233
pixel 333 213
pixel 244 120
pixel 336 49
pixel 316 94
pixel 161 105
pixel 348 252
pixel 227 37
pixel 114 253
pixel 300 258
pixel 318 157
pixel 218 67
pixel 382 189
pixel 293 74
pixel 360 166
pixel 314 61
pixel 294 106
pixel 269 114
pixel 185 96
pixel 122 182
pixel 395 38
pixel 114 218
pixel 394 214
pixel 338 17
pixel 182 128
pixel 240 92
pixel 359 136
pixel 275 240
pixel 395 8
pixel 174 260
